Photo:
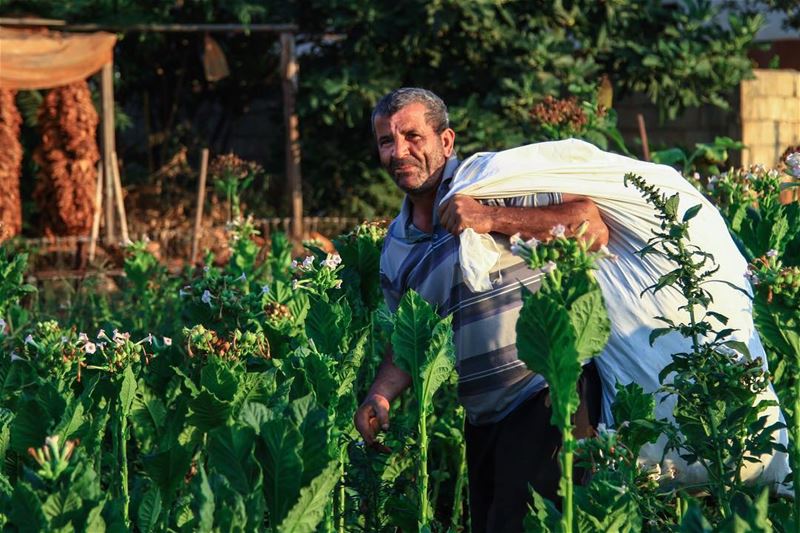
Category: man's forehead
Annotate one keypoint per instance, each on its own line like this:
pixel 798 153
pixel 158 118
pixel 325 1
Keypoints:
pixel 410 116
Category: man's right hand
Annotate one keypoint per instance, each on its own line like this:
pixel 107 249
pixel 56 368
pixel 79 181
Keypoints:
pixel 372 417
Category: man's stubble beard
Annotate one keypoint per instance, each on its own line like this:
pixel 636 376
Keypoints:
pixel 430 183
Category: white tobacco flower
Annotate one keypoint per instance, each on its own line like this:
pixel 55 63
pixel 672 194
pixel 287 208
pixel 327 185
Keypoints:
pixel 29 340
pixel 167 341
pixel 533 243
pixel 294 284
pixel 242 278
pixel 206 297
pixel 654 474
pixel 558 231
pixel 294 264
pixel 52 442
pixel 515 249
pixel 2 326
pixel 548 268
pixel 308 262
pixel 184 292
pixel 332 261
pixel 206 269
pixel 64 339
pixel 772 253
pixel 90 347
pixel 265 289
pixel 83 337
pixel 120 338
pixel 149 338
pixel 515 239
pixel 337 284
pixel 15 357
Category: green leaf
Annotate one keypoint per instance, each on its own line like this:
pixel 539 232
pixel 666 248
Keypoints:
pixel 208 411
pixel 127 391
pixel 692 212
pixel 313 423
pixel 230 453
pixel 546 344
pixel 414 322
pixel 439 361
pixel 149 510
pixel 658 332
pixel 60 508
pixel 168 468
pixel 306 514
pixel 328 324
pixel 219 380
pixel 203 500
pixel 671 206
pixel 30 426
pixel 94 520
pixel 282 466
pixel 26 510
pixel 591 324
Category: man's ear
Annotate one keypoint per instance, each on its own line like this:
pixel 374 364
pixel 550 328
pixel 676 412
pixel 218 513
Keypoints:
pixel 448 138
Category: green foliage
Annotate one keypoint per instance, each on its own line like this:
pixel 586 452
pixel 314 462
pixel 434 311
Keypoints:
pixel 706 159
pixel 718 386
pixel 560 326
pixel 423 347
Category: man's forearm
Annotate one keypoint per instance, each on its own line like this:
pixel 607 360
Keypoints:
pixel 390 380
pixel 539 221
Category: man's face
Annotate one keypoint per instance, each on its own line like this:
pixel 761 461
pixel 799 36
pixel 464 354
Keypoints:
pixel 410 149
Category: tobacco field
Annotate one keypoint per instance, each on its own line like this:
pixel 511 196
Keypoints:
pixel 222 398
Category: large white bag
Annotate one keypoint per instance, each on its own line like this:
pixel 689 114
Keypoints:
pixel 577 167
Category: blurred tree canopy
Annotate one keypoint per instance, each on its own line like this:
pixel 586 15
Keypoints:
pixel 491 60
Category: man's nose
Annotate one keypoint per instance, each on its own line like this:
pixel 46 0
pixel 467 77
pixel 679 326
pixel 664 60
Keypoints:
pixel 399 148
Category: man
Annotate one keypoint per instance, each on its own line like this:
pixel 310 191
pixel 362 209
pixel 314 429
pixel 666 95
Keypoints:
pixel 510 442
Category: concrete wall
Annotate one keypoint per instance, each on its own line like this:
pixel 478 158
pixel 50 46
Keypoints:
pixel 770 115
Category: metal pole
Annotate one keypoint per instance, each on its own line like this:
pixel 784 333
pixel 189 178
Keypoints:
pixel 289 69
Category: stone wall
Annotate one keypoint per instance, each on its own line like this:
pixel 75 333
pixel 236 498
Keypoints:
pixel 764 114
pixel 770 115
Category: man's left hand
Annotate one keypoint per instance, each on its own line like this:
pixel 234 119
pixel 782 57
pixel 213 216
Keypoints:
pixel 462 212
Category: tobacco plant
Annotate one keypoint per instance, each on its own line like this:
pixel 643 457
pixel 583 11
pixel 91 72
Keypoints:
pixel 560 326
pixel 718 414
pixel 423 347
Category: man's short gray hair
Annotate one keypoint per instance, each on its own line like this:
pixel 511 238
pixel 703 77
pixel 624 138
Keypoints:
pixel 435 114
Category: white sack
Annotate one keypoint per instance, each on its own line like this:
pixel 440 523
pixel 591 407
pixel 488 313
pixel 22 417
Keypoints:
pixel 577 167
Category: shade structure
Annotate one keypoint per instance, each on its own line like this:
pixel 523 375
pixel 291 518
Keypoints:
pixel 42 59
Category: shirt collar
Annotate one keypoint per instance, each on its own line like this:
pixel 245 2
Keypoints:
pixel 405 228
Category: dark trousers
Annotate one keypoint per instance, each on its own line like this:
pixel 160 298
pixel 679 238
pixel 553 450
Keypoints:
pixel 504 458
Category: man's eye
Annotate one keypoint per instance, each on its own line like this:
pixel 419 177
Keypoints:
pixel 384 142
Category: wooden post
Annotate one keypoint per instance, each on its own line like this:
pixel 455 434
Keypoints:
pixel 107 109
pixel 643 135
pixel 201 198
pixel 291 123
pixel 123 218
pixel 98 205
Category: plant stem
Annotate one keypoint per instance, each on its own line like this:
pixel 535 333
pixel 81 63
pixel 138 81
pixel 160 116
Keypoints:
pixel 422 482
pixel 566 476
pixel 126 500
pixel 455 517
pixel 795 450
pixel 341 508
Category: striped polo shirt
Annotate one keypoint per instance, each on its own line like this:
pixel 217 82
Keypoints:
pixel 492 381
